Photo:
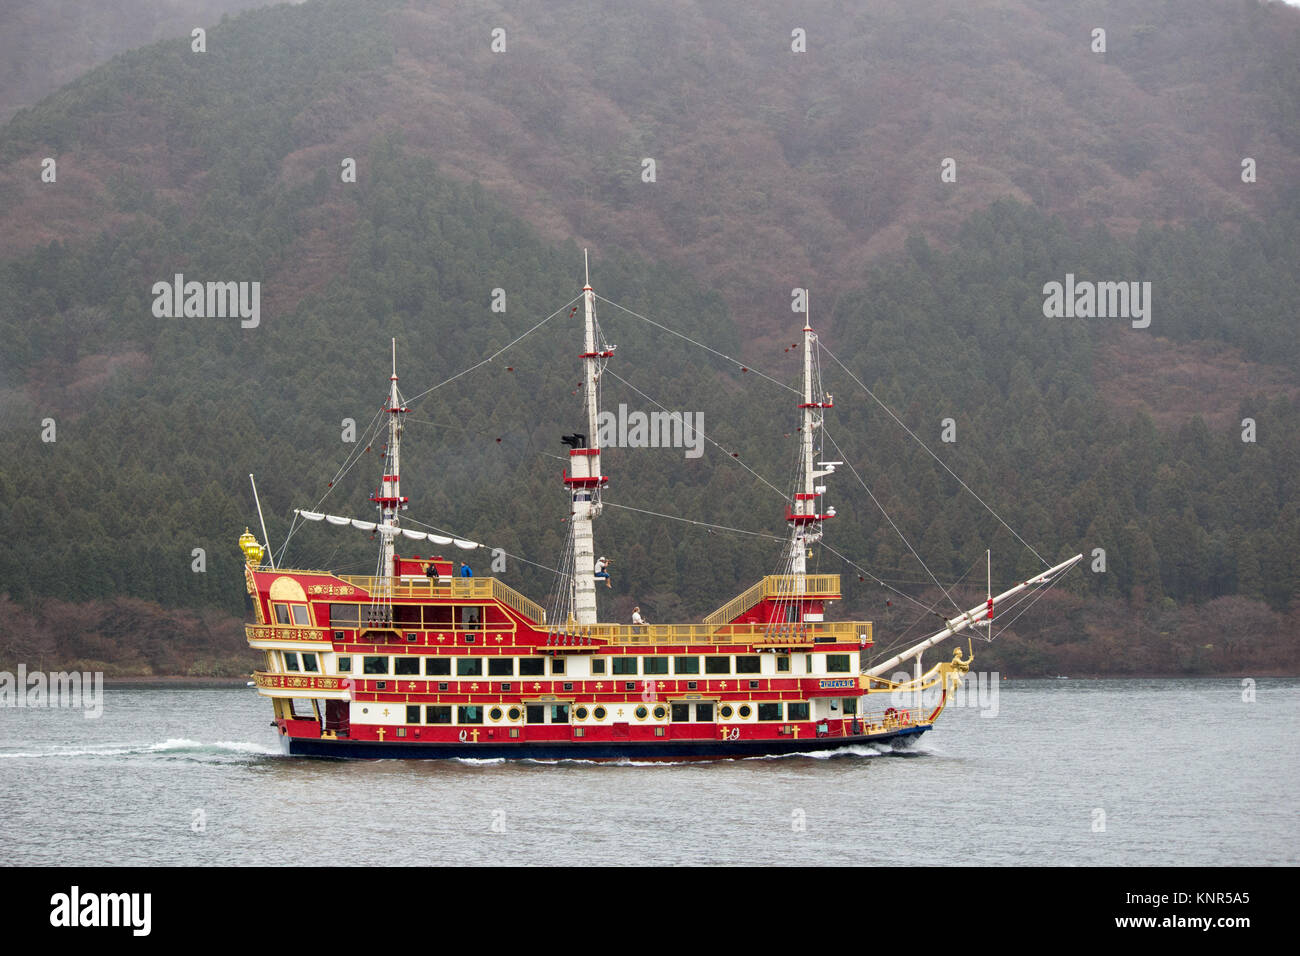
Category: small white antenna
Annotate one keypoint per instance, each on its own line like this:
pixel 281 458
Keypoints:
pixel 586 269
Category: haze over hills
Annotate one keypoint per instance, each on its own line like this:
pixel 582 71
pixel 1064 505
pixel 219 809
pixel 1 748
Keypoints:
pixel 773 169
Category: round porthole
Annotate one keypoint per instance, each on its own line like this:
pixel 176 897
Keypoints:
pixel 660 712
pixel 744 710
pixel 514 713
pixel 599 713
pixel 495 713
pixel 725 710
pixel 581 713
pixel 641 713
pixel 365 710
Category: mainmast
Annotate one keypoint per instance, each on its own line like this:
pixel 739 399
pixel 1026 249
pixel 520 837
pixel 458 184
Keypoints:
pixel 389 496
pixel 804 515
pixel 584 479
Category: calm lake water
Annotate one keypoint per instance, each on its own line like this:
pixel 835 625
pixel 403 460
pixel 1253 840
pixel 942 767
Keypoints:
pixel 1184 771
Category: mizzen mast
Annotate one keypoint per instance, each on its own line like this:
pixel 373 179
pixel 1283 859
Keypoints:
pixel 388 497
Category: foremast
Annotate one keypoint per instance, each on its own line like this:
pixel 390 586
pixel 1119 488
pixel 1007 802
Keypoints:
pixel 584 479
pixel 805 514
pixel 388 498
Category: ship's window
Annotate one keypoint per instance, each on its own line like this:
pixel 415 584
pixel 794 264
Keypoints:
pixel 717 665
pixel 807 663
pixel 469 715
pixel 345 665
pixel 442 685
pixel 629 685
pixel 624 664
pixel 535 713
pixel 557 665
pixel 281 613
pixel 309 664
pixel 725 711
pixel 495 713
pixel 469 667
pixel 660 712
pixel 437 715
pixel 850 705
pixel 686 665
pixel 345 615
pixel 797 711
pixel 681 713
pixel 290 660
pixel 412 713
pixel 837 663
pixel 381 685
pixel 514 713
pixel 598 665
pixel 704 712
pixel 642 712
pixel 783 664
pixel 532 666
pixel 501 667
pixel 559 713
pixel 692 685
pixel 374 665
pixel 655 665
pixel 753 685
pixel 744 710
pixel 411 636
pixel 471 617
pixel 747 664
pixel 300 616
pixel 568 685
pixel 580 713
pixel 769 711
pixel 406 666
pixel 401 731
pixel 505 687
pixel 599 713
pixel 437 666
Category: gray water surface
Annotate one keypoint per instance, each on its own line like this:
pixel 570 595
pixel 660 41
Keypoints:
pixel 1180 772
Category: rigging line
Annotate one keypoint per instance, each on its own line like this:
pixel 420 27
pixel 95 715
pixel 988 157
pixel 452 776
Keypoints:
pixel 901 638
pixel 454 535
pixel 1050 584
pixel 499 351
pixel 877 503
pixel 697 431
pixel 703 524
pixel 706 348
pixel 909 431
pixel 880 581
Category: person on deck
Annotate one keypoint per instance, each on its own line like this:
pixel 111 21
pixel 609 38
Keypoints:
pixel 465 571
pixel 636 616
pixel 602 570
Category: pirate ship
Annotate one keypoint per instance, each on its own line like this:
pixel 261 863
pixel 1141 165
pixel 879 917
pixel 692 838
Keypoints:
pixel 417 661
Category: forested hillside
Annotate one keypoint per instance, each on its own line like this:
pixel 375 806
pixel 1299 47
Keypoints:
pixel 228 168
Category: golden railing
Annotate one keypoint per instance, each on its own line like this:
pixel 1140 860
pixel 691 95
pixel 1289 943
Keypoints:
pixel 282 632
pixel 297 681
pixel 782 635
pixel 778 586
pixel 459 589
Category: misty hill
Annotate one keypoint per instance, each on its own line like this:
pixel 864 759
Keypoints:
pixel 226 166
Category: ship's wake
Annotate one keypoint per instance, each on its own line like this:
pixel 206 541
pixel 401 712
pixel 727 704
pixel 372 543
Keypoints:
pixel 173 747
